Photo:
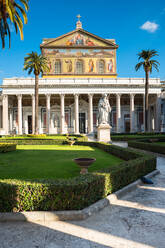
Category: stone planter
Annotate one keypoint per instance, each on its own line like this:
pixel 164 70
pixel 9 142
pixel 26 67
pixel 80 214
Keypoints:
pixel 71 142
pixel 84 163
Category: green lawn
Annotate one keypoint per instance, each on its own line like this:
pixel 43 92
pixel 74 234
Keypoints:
pixel 50 161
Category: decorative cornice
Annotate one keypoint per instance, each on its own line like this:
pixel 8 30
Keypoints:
pixel 80 86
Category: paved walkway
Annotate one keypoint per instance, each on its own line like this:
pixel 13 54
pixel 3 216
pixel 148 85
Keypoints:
pixel 138 220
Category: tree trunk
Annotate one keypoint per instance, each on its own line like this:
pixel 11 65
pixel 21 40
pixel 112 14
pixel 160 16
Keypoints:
pixel 146 100
pixel 36 103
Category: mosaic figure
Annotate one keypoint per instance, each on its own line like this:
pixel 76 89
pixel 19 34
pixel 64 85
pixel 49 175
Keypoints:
pixel 91 65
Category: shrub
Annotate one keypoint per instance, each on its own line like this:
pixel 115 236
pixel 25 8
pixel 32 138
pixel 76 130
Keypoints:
pixel 127 137
pixel 36 135
pixel 7 147
pixel 42 139
pixel 148 145
pixel 75 193
pixel 33 141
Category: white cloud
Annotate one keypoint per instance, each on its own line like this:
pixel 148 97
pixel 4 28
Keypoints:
pixel 150 26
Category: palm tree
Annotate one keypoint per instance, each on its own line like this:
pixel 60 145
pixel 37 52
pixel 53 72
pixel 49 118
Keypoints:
pixel 37 64
pixel 10 11
pixel 148 64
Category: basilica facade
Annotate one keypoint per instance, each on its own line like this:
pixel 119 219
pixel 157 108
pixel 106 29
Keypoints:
pixel 82 67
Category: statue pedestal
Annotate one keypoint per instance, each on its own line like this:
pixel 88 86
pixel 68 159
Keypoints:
pixel 103 133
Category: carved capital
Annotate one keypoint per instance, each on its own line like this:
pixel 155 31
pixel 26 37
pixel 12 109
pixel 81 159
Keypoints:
pixel 19 97
pixel 90 95
pixel 4 96
pixel 118 95
pixel 62 95
pixel 48 96
pixel 76 95
pixel 33 96
pixel 132 95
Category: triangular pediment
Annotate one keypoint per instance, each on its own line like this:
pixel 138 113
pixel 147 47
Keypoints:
pixel 78 38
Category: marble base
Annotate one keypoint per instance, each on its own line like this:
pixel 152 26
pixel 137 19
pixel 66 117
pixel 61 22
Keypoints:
pixel 103 133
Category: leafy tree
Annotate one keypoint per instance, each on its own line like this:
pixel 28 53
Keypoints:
pixel 10 13
pixel 37 64
pixel 148 64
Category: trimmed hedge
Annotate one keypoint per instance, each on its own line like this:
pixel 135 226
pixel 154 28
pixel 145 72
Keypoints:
pixel 40 141
pixel 124 137
pixel 148 145
pixel 7 147
pixel 76 193
pixel 32 141
pixel 36 135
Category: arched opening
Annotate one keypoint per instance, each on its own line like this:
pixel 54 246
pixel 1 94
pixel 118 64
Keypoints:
pixel 79 67
pixel 57 67
pixel 101 67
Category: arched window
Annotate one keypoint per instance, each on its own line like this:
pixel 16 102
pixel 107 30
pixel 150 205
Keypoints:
pixel 101 66
pixel 79 67
pixel 57 67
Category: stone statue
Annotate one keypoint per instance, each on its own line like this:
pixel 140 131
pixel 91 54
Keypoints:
pixel 104 109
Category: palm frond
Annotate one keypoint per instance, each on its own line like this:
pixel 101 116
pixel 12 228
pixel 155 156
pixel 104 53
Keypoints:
pixel 147 62
pixel 11 11
pixel 138 66
pixel 36 63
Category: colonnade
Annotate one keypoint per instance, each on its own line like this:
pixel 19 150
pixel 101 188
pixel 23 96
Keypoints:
pixel 62 113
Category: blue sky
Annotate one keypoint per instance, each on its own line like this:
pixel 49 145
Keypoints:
pixel 122 20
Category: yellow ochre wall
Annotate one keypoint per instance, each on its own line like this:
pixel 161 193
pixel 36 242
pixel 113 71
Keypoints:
pixel 88 54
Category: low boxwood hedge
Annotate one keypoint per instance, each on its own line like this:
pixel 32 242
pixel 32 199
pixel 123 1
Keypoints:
pixel 39 140
pixel 148 145
pixel 76 193
pixel 35 141
pixel 124 137
pixel 7 147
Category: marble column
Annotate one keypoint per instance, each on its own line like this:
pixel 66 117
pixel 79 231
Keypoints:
pixel 149 119
pixel 90 121
pixel 11 120
pixel 118 113
pixel 5 114
pixel 143 112
pixel 158 113
pixel 62 119
pixel 76 112
pixel 132 113
pixel 48 114
pixel 19 97
pixel 33 114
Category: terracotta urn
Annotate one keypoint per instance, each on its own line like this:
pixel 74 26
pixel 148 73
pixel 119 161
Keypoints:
pixel 71 142
pixel 84 163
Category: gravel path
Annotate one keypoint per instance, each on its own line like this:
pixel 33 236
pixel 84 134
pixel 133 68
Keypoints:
pixel 136 220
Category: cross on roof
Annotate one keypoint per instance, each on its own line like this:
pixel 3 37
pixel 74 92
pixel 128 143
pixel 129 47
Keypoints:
pixel 78 16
